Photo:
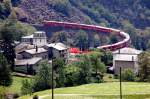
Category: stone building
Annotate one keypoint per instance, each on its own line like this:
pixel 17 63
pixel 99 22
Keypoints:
pixel 36 52
pixel 27 60
pixel 27 65
pixel 126 58
pixel 57 50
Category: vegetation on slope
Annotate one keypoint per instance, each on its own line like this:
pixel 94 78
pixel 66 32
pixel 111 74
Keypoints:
pixel 131 16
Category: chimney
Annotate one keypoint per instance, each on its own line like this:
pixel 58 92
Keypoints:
pixel 132 58
pixel 119 51
pixel 36 49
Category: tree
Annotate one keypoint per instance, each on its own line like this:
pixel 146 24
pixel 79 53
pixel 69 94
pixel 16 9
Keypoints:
pixel 96 40
pixel 5 73
pixel 8 5
pixel 72 73
pixel 81 40
pixel 5 9
pixel 26 87
pixel 15 2
pixel 128 75
pixel 63 37
pixel 42 79
pixel 12 17
pixel 7 45
pixel 113 39
pixel 86 70
pixel 58 66
pixel 107 57
pixel 95 58
pixel 144 66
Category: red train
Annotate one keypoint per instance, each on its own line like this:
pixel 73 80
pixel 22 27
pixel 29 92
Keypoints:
pixel 67 25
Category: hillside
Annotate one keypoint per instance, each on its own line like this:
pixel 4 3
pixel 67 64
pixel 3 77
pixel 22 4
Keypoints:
pixel 132 16
pixel 96 11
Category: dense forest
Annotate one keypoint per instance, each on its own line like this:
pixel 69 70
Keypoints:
pixel 132 16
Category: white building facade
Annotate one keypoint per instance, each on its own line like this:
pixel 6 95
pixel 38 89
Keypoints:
pixel 37 38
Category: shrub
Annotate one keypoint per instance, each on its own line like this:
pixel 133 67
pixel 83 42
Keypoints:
pixel 116 76
pixel 128 75
pixel 15 96
pixel 42 80
pixel 3 91
pixel 35 97
pixel 26 87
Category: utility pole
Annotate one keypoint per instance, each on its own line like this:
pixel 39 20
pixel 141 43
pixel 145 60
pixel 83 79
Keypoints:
pixel 52 79
pixel 120 85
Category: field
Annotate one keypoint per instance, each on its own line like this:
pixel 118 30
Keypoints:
pixel 131 90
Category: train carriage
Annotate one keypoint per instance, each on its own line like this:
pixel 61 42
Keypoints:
pixel 125 42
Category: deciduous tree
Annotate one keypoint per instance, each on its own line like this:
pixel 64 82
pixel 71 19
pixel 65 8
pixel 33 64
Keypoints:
pixel 5 73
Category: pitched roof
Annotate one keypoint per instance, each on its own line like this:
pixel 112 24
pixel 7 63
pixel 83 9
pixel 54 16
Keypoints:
pixel 31 61
pixel 33 51
pixel 29 36
pixel 58 46
pixel 127 50
pixel 22 47
pixel 39 32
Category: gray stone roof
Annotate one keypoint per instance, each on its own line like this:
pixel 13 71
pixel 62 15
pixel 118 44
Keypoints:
pixel 33 51
pixel 58 46
pixel 127 50
pixel 24 62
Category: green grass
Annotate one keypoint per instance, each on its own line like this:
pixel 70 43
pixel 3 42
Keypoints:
pixel 101 91
pixel 102 97
pixel 16 85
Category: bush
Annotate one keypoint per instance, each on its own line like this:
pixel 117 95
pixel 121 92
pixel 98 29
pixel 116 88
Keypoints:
pixel 26 87
pixel 3 91
pixel 128 75
pixel 35 97
pixel 42 80
pixel 15 96
pixel 116 76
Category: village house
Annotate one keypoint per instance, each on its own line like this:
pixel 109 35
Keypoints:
pixel 33 49
pixel 126 58
pixel 27 60
pixel 36 52
pixel 57 50
pixel 27 65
